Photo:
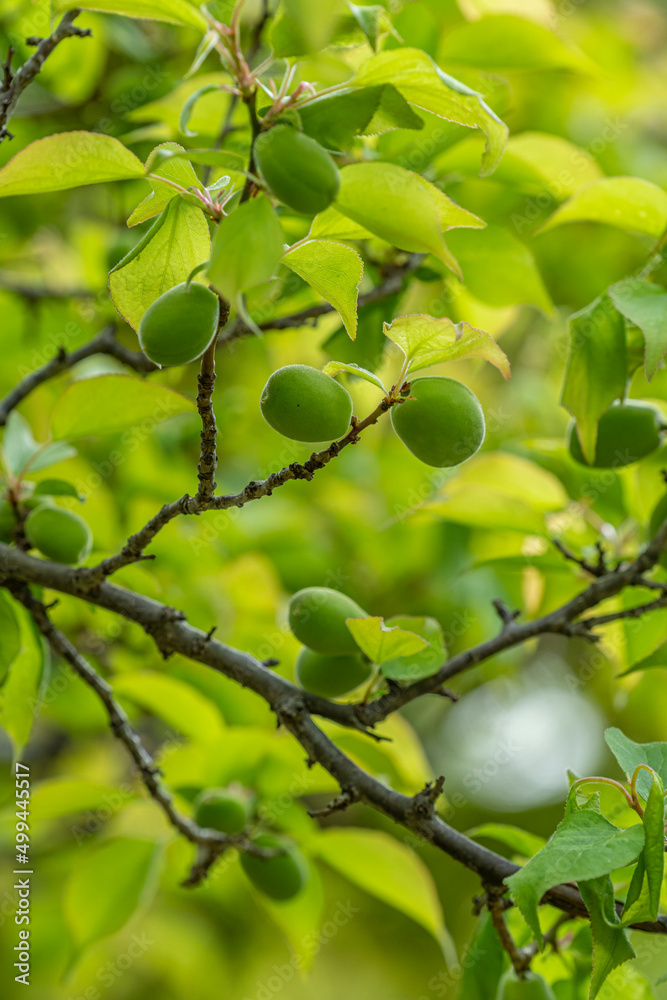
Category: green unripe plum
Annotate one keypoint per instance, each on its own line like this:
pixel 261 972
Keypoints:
pixel 298 171
pixel 7 521
pixel 59 534
pixel 626 433
pixel 658 516
pixel 317 618
pixel 281 877
pixel 222 809
pixel 533 987
pixel 330 676
pixel 304 404
pixel 441 421
pixel 179 326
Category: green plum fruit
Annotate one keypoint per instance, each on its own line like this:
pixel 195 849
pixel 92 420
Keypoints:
pixel 657 518
pixel 304 404
pixel 627 432
pixel 331 676
pixel 223 809
pixel 179 326
pixel 533 987
pixel 297 170
pixel 282 876
pixel 440 421
pixel 59 534
pixel 317 617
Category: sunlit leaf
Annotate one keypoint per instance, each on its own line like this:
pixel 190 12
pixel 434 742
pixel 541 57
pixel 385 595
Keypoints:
pixel 420 663
pixel 428 341
pixel 625 202
pixel 172 11
pixel 335 271
pixel 645 305
pixel 630 754
pixel 180 705
pixel 381 642
pixel 247 248
pixel 10 635
pixel 334 367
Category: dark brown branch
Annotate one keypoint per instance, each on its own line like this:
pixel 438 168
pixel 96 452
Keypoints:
pixel 208 458
pixel 15 83
pixel 104 343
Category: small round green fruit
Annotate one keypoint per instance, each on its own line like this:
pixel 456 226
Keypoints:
pixel 627 432
pixel 298 171
pixel 179 326
pixel 59 534
pixel 441 421
pixel 280 877
pixel 304 404
pixel 317 617
pixel 330 676
pixel 532 987
pixel 222 809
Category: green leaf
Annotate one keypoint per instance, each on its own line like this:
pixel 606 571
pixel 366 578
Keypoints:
pixel 300 918
pixel 172 11
pixel 504 42
pixel 335 271
pixel 584 846
pixel 175 244
pixel 381 642
pixel 630 754
pixel 658 658
pixel 19 697
pixel 304 27
pixel 334 367
pixel 405 210
pixel 421 663
pixel 484 962
pixel 108 404
pixel 58 797
pixel 10 635
pixel 388 870
pixel 109 882
pixel 332 223
pixel 519 841
pixel 498 268
pixel 645 305
pixel 398 758
pixel 625 202
pixel 247 248
pixel 610 943
pixel 173 168
pixel 56 488
pixel 68 160
pixel 423 84
pixel 427 341
pixel 23 454
pixel 189 105
pixel 181 706
pixel 335 119
pixel 643 899
pixel 596 369
pixel 169 151
pixel 369 19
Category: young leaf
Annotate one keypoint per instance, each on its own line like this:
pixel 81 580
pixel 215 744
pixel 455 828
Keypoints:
pixel 176 243
pixel 174 169
pixel 484 962
pixel 406 210
pixel 519 841
pixel 369 20
pixel 596 369
pixel 172 11
pixel 335 271
pixel 422 83
pixel 10 635
pixel 189 105
pixel 505 42
pixel 625 202
pixel 610 943
pixel 247 248
pixel 381 642
pixel 630 754
pixel 333 225
pixel 56 797
pixel 584 846
pixel 334 367
pixel 421 663
pixel 657 658
pixel 110 880
pixel 387 869
pixel 68 160
pixel 182 707
pixel 645 305
pixel 56 488
pixel 19 696
pixel 643 899
pixel 25 455
pixel 108 404
pixel 428 341
pixel 335 119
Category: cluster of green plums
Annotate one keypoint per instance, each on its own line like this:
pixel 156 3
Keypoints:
pixel 438 419
pixel 59 534
pixel 627 432
pixel 283 873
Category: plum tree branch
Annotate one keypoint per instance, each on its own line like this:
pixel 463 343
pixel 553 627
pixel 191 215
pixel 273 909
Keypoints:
pixel 15 83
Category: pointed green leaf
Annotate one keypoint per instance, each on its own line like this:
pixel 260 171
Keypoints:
pixel 645 305
pixel 19 696
pixel 247 248
pixel 334 367
pixel 520 841
pixel 428 341
pixel 658 658
pixel 380 642
pixel 56 488
pixel 630 754
pixel 56 797
pixel 504 42
pixel 68 160
pixel 189 105
pixel 172 11
pixel 176 243
pixel 10 635
pixel 610 943
pixel 596 368
pixel 108 404
pixel 423 84
pixel 484 962
pixel 174 169
pixel 181 706
pixel 421 663
pixel 335 271
pixel 335 119
pixel 333 225
pixel 369 20
pixel 643 899
pixel 625 202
